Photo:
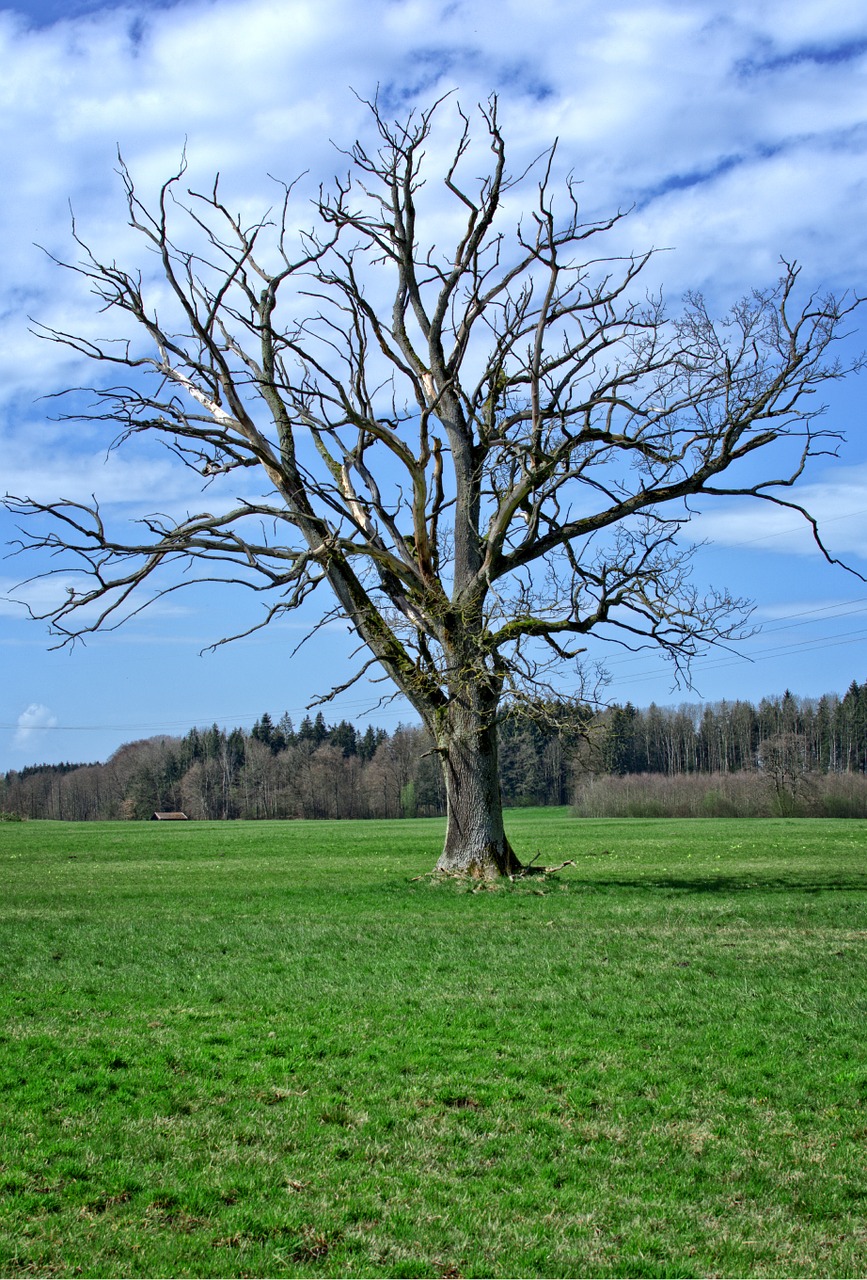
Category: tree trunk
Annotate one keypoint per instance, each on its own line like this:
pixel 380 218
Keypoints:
pixel 476 844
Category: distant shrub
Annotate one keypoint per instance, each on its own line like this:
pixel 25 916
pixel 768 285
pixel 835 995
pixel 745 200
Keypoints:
pixel 745 794
pixel 844 796
pixel 11 817
pixel 717 805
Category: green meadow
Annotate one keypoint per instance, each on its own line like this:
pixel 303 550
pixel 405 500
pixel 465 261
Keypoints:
pixel 281 1049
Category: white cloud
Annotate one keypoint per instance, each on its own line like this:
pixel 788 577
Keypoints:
pixel 737 131
pixel 32 723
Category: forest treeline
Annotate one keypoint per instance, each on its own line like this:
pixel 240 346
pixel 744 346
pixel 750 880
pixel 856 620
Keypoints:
pixel 788 754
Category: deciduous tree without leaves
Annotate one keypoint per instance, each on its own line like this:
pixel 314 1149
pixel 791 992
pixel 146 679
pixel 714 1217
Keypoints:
pixel 481 434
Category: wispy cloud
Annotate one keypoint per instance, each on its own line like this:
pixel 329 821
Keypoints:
pixel 839 505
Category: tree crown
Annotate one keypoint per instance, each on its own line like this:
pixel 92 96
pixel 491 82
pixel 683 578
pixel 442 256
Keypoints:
pixel 487 448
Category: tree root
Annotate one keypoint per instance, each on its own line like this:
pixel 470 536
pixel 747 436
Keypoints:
pixel 523 873
pixel 530 870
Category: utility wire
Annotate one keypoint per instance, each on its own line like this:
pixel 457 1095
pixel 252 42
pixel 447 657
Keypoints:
pixel 806 617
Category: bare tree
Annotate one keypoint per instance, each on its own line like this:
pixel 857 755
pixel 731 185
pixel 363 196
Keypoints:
pixel 486 449
pixel 784 761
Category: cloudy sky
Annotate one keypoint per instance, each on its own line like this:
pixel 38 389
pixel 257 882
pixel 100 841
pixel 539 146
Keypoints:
pixel 736 132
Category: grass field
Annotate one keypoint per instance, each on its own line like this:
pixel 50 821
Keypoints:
pixel 266 1049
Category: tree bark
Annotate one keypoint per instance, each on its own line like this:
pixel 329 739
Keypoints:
pixel 476 845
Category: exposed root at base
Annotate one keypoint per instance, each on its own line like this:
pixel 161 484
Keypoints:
pixel 468 877
pixel 529 869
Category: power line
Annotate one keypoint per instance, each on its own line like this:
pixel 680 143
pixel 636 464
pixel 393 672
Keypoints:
pixel 787 622
pixel 733 660
pixel 806 617
pixel 796 528
pixel 166 725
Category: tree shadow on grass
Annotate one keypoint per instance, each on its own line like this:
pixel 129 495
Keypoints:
pixel 848 882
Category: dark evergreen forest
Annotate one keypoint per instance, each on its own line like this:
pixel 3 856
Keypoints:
pixel 786 755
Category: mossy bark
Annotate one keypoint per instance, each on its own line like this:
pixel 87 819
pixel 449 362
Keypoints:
pixel 476 844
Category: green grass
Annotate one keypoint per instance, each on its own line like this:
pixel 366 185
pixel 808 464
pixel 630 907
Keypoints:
pixel 266 1049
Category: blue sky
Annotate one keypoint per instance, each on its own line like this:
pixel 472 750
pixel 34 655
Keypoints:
pixel 737 132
